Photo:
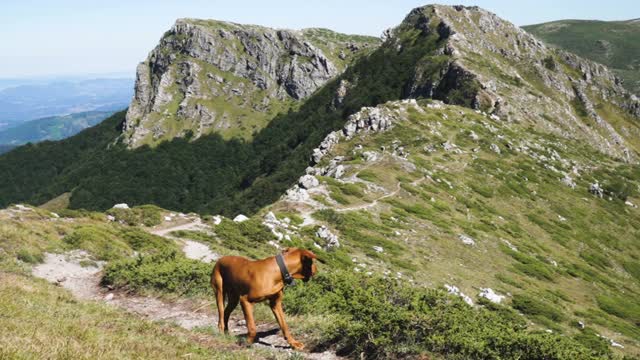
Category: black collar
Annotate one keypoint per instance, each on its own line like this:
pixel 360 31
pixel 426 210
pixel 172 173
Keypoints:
pixel 286 277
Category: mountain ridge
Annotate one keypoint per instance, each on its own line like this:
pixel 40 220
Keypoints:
pixel 612 43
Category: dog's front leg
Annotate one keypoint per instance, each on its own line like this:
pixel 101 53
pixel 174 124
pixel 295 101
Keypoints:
pixel 247 309
pixel 276 308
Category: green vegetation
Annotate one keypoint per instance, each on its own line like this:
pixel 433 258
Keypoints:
pixel 382 318
pixel 147 215
pixel 612 43
pixel 41 320
pixel 165 271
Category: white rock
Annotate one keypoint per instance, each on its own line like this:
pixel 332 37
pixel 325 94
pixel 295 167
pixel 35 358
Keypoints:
pixel 331 240
pixel 111 218
pixel 308 182
pixel 270 217
pixel 240 218
pixel 378 249
pixel 495 148
pixel 455 291
pixel 217 220
pixel 466 239
pixel 55 215
pixel 121 206
pixel 108 297
pixel 167 218
pixel 296 194
pixel 370 156
pixel 491 295
pixel 615 344
pixel 510 245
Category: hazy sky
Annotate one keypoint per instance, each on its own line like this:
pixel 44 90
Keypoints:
pixel 60 37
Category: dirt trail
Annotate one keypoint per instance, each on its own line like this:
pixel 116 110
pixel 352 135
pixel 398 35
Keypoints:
pixel 192 249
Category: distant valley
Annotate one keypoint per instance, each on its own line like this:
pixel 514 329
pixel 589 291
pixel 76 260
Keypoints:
pixel 50 128
pixel 29 99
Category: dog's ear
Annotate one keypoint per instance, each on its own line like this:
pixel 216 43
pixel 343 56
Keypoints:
pixel 308 254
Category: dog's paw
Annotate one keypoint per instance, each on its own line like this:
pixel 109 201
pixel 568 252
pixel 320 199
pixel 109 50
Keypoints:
pixel 296 344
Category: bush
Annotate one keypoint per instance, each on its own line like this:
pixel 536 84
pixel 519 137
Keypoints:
pixel 531 306
pixel 625 308
pixel 167 271
pixel 147 215
pixel 30 257
pixel 103 243
pixel 382 318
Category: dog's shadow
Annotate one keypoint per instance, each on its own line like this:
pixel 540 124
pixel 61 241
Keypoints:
pixel 262 334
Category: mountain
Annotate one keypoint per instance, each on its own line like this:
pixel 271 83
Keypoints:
pixel 60 97
pixel 612 43
pixel 5 148
pixel 51 128
pixel 459 155
pixel 211 76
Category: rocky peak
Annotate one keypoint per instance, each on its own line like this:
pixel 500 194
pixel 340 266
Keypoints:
pixel 496 67
pixel 207 76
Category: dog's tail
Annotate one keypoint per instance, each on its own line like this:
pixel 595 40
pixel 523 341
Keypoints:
pixel 216 284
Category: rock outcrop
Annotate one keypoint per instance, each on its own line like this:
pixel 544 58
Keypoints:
pixel 207 76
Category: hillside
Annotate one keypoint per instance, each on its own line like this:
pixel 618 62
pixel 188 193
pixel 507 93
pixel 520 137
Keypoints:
pixel 5 148
pixel 470 193
pixel 612 43
pixel 51 128
pixel 430 55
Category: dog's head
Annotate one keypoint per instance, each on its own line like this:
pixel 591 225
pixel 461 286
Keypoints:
pixel 305 258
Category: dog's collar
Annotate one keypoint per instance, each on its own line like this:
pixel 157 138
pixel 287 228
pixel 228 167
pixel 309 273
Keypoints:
pixel 286 277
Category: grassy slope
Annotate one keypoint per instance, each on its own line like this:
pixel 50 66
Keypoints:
pixel 52 128
pixel 41 320
pixel 612 43
pixel 576 252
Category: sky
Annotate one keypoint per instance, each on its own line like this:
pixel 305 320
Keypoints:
pixel 79 37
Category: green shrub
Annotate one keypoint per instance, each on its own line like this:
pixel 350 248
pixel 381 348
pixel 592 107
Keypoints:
pixel 103 243
pixel 589 338
pixel 633 268
pixel 147 215
pixel 31 257
pixel 532 306
pixel 166 272
pixel 368 175
pixel 627 308
pixel 248 236
pixel 374 317
pixel 596 259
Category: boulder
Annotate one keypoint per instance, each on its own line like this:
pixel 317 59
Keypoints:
pixel 240 218
pixel 330 239
pixel 121 206
pixel 308 182
pixel 466 239
pixel 491 295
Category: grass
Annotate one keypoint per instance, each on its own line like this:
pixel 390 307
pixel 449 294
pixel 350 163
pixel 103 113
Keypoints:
pixel 43 321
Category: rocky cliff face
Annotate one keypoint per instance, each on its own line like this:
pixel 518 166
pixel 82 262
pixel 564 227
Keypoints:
pixel 499 68
pixel 208 76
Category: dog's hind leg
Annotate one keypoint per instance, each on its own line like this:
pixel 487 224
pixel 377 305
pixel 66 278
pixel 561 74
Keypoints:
pixel 216 284
pixel 232 302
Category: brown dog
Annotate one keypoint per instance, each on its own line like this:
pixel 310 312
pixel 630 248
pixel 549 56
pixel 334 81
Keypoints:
pixel 249 282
